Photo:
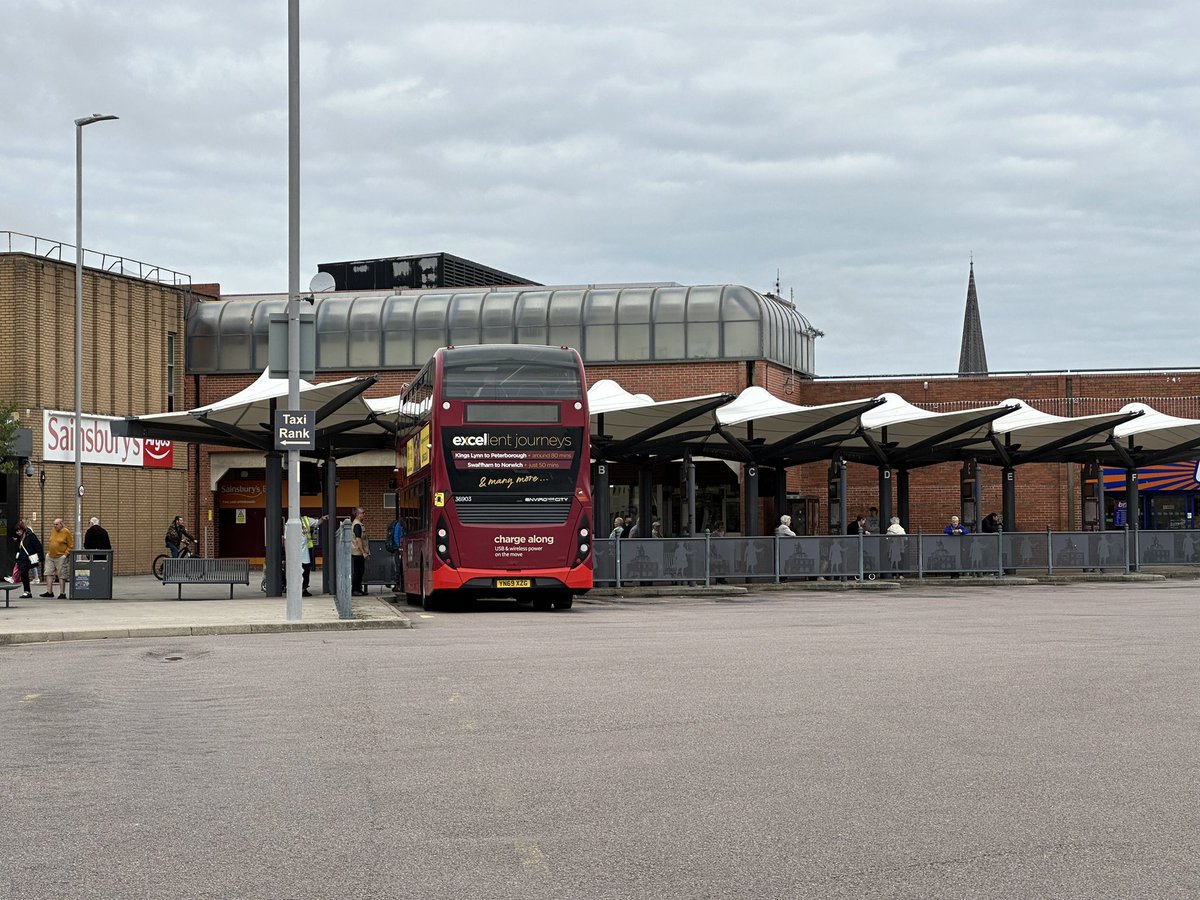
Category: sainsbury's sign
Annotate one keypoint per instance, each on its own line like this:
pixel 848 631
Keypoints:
pixel 100 445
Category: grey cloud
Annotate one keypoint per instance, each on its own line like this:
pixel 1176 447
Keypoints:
pixel 863 150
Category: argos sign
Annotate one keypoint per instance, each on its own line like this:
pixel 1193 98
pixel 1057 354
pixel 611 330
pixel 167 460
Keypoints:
pixel 100 445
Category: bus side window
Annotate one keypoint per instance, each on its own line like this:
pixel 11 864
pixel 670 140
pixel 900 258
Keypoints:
pixel 423 512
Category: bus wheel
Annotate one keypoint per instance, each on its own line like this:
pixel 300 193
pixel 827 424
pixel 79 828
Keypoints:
pixel 563 602
pixel 542 603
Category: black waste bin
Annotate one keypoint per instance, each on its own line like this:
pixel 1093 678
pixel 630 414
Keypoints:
pixel 91 574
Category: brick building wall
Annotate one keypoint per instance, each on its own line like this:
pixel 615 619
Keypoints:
pixel 126 323
pixel 1047 494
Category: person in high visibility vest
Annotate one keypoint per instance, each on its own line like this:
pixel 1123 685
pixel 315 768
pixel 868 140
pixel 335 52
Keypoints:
pixel 309 526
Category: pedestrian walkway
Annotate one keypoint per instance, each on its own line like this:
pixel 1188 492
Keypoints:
pixel 144 607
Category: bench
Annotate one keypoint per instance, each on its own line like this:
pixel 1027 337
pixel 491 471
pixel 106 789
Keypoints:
pixel 202 570
pixel 8 589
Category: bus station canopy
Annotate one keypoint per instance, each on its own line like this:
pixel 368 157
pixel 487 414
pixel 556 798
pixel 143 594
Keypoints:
pixel 752 427
pixel 758 427
pixel 626 425
pixel 345 422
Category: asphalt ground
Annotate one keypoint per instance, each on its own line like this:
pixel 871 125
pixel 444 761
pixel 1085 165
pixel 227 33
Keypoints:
pixel 931 741
pixel 143 606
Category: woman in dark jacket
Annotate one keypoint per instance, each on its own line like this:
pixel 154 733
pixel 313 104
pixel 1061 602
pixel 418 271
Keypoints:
pixel 28 547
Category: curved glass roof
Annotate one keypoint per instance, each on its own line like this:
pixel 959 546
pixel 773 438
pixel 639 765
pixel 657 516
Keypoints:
pixel 611 324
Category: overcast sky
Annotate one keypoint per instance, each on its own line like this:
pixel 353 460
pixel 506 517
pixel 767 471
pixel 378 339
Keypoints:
pixel 863 150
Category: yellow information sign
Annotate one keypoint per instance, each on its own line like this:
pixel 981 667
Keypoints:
pixel 425 438
pixel 439 498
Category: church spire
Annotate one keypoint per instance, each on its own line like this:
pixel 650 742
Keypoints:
pixel 972 358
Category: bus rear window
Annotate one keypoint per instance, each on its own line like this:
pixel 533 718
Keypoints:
pixel 507 413
pixel 511 379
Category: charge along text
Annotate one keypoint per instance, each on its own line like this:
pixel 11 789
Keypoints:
pixel 518 546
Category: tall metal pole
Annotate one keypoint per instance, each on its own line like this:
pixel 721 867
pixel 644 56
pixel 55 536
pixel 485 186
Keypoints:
pixel 79 126
pixel 293 535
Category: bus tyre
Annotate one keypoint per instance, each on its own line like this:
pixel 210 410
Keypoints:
pixel 564 602
pixel 542 603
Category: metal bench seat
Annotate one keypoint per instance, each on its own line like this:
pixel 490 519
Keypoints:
pixel 202 570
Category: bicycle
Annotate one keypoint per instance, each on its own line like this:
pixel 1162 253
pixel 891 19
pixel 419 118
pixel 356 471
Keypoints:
pixel 186 549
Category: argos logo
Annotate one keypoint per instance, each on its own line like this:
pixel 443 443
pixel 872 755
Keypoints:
pixel 158 454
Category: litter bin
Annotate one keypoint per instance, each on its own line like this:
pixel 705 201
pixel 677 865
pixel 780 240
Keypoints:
pixel 91 574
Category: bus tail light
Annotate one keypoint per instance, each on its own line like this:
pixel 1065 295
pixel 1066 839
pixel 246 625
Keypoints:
pixel 441 543
pixel 584 540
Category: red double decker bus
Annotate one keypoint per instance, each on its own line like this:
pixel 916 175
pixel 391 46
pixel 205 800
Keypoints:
pixel 493 476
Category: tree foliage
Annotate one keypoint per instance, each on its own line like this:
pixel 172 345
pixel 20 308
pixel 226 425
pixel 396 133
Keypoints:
pixel 9 423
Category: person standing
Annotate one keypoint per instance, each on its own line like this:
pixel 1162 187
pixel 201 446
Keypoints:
pixel 858 526
pixel 360 549
pixel 992 524
pixel 955 529
pixel 59 545
pixel 895 543
pixel 308 527
pixel 395 540
pixel 784 528
pixel 618 528
pixel 96 537
pixel 29 552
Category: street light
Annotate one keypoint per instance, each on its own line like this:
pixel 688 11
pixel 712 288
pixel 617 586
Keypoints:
pixel 79 125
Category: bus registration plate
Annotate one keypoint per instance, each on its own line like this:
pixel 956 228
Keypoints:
pixel 514 582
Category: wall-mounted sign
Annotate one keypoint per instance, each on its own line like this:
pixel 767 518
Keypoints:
pixel 1177 476
pixel 100 445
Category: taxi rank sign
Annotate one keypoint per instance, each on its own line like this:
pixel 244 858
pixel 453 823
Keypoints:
pixel 295 430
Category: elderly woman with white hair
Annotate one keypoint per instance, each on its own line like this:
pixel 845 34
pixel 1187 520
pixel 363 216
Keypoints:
pixel 784 528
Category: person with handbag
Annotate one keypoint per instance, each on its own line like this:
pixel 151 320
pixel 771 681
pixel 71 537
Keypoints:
pixel 29 553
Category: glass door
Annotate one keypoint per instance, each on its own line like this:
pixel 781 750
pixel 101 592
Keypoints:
pixel 1167 510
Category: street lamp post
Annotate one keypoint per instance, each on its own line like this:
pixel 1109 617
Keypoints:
pixel 293 534
pixel 79 125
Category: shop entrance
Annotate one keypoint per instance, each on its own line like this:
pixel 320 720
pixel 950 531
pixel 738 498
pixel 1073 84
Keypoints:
pixel 1160 510
pixel 242 513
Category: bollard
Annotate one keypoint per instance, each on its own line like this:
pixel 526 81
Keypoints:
pixel 342 598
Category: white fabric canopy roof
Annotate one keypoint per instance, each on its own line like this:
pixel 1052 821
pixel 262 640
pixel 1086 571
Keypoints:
pixel 627 422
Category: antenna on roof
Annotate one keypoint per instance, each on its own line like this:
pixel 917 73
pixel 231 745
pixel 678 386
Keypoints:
pixel 777 287
pixel 322 283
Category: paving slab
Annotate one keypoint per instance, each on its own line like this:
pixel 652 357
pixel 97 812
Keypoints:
pixel 143 607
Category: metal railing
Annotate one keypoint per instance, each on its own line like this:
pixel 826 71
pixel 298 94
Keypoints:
pixel 19 242
pixel 711 560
